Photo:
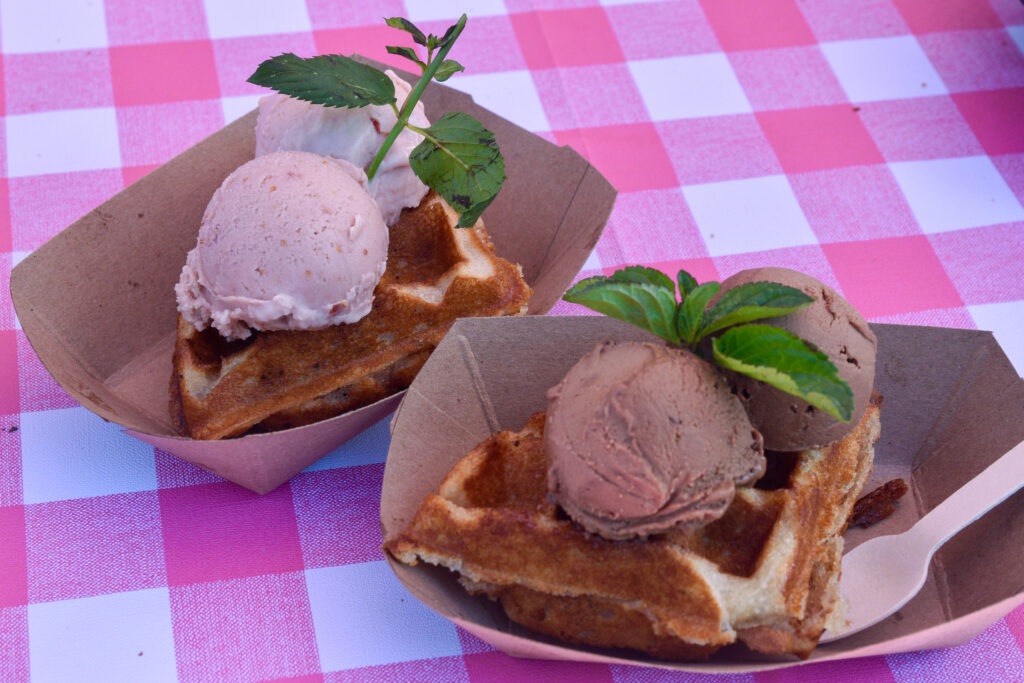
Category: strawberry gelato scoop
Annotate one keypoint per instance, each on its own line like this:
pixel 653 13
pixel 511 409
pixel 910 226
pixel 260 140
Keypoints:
pixel 352 134
pixel 643 439
pixel 289 241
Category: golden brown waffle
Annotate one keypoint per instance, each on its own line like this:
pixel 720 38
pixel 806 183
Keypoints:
pixel 275 380
pixel 766 573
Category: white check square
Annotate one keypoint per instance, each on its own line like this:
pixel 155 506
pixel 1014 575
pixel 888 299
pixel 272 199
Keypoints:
pixel 52 26
pixel 364 617
pixel 1017 33
pixel 511 94
pixel 240 18
pixel 117 637
pixel 451 10
pixel 754 214
pixel 689 87
pixel 1006 321
pixel 238 106
pixel 72 453
pixel 62 141
pixel 883 69
pixel 952 194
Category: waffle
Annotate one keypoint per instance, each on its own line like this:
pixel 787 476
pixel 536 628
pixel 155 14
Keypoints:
pixel 276 380
pixel 765 574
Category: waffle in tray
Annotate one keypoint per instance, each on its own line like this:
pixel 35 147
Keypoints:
pixel 766 573
pixel 275 380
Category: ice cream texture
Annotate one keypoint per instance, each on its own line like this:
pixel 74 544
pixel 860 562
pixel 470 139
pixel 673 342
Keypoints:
pixel 833 326
pixel 290 240
pixel 641 439
pixel 353 134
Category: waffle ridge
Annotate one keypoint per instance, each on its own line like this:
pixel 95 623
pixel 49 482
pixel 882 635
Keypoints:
pixel 435 273
pixel 765 574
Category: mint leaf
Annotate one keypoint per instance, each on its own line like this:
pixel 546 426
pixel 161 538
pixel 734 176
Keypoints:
pixel 644 274
pixel 691 311
pixel 450 35
pixel 687 283
pixel 330 80
pixel 408 53
pixel 648 306
pixel 405 25
pixel 461 161
pixel 448 68
pixel 783 360
pixel 752 301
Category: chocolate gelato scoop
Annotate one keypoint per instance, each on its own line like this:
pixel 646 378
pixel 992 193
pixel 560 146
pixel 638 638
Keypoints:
pixel 641 438
pixel 834 327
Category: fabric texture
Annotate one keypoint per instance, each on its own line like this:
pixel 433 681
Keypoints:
pixel 878 146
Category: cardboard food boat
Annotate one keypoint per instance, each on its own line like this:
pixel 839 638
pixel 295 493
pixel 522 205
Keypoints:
pixel 97 301
pixel 953 404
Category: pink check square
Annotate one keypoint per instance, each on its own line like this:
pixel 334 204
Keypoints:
pixel 237 58
pixel 214 532
pixel 631 156
pixel 925 16
pixel 894 275
pixel 36 386
pixel 975 60
pixel 996 118
pixel 163 72
pixel 815 138
pixel 742 25
pixel 570 37
pixel 983 263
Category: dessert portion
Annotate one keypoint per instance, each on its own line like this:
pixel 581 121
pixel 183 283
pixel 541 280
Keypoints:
pixel 290 241
pixel 355 135
pixel 640 511
pixel 834 327
pixel 279 379
pixel 325 273
pixel 641 438
pixel 765 574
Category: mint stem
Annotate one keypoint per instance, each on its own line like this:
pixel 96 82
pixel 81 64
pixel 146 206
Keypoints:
pixel 413 98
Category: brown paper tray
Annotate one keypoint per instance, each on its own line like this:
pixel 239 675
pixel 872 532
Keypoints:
pixel 953 404
pixel 97 303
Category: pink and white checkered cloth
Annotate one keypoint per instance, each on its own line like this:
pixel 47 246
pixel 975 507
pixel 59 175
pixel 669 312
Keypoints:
pixel 878 145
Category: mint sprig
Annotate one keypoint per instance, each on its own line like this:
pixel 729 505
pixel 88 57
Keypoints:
pixel 458 158
pixel 647 298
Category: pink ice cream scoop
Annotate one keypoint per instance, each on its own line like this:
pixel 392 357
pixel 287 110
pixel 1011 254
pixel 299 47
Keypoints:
pixel 641 439
pixel 290 241
pixel 355 135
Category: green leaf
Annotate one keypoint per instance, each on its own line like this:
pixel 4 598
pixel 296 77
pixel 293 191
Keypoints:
pixel 408 53
pixel 691 312
pixel 752 301
pixel 780 358
pixel 644 274
pixel 648 306
pixel 408 27
pixel 330 80
pixel 450 33
pixel 687 283
pixel 460 160
pixel 448 68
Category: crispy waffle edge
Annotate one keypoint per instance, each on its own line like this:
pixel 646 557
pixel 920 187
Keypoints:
pixel 277 380
pixel 766 574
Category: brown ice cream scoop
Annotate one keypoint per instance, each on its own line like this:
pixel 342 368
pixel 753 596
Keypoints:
pixel 641 438
pixel 833 326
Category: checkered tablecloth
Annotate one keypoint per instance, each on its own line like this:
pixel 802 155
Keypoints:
pixel 878 145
